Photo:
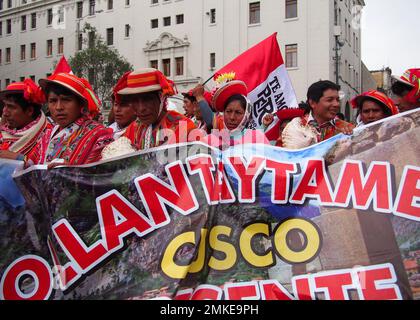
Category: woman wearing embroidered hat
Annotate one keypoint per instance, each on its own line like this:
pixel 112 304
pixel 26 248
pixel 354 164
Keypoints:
pixel 147 90
pixel 234 111
pixel 373 106
pixel 76 139
pixel 23 120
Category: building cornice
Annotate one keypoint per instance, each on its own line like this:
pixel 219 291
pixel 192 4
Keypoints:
pixel 31 7
pixel 166 41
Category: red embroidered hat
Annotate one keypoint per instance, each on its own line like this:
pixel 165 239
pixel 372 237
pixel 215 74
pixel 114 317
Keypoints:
pixel 226 91
pixel 79 86
pixel 31 92
pixel 378 96
pixel 410 79
pixel 144 81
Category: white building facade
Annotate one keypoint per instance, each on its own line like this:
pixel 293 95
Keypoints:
pixel 187 39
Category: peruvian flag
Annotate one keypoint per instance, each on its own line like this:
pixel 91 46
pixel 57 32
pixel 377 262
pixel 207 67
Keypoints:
pixel 263 70
pixel 63 66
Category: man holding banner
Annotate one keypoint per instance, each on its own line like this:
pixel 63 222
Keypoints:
pixel 319 123
pixel 24 121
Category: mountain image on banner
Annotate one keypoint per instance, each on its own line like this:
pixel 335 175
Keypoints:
pixel 263 70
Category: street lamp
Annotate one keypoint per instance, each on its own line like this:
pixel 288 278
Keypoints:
pixel 338 44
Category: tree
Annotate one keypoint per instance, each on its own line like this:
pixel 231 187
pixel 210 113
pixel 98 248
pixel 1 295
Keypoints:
pixel 100 64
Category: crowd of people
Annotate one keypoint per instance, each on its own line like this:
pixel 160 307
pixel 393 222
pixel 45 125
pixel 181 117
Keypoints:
pixel 140 118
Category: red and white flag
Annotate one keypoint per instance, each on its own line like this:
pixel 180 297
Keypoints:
pixel 263 70
pixel 63 66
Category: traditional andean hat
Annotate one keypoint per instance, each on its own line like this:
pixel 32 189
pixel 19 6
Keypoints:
pixel 378 96
pixel 79 86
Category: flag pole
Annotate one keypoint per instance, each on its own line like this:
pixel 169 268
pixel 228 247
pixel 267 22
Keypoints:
pixel 209 79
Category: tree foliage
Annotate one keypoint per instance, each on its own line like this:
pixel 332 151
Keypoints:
pixel 99 63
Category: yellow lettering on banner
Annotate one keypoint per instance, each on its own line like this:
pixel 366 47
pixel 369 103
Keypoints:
pixel 225 247
pixel 198 264
pixel 246 248
pixel 313 241
pixel 168 265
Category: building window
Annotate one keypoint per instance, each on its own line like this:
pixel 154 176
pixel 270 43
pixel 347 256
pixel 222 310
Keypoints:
pixel 91 7
pixel 61 14
pixel 155 1
pixel 9 26
pixel 49 17
pixel 212 15
pixel 1 57
pixel 33 50
pixel 349 33
pixel 340 18
pixel 166 63
pixel 154 64
pixel 79 9
pixel 110 4
pixel 127 30
pixel 345 29
pixel 254 13
pixel 154 23
pixel 23 23
pixel 291 9
pixel 7 82
pixel 80 42
pixel 212 61
pixel 291 56
pixel 1 28
pixel 127 3
pixel 179 66
pixel 32 78
pixel 357 46
pixel 9 3
pixel 22 52
pixel 110 36
pixel 8 55
pixel 91 39
pixel 166 21
pixel 33 20
pixel 354 42
pixel 180 19
pixel 60 45
pixel 49 48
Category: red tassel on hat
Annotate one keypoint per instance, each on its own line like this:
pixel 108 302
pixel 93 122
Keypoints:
pixel 121 84
pixel 93 101
pixel 166 84
pixel 33 93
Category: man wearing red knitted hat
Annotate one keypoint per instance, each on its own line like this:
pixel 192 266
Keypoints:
pixel 23 121
pixel 407 90
pixel 147 91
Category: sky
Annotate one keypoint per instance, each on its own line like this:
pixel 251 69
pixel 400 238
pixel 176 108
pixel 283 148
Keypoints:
pixel 391 34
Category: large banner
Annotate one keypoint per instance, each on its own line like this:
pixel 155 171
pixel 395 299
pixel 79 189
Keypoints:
pixel 339 220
